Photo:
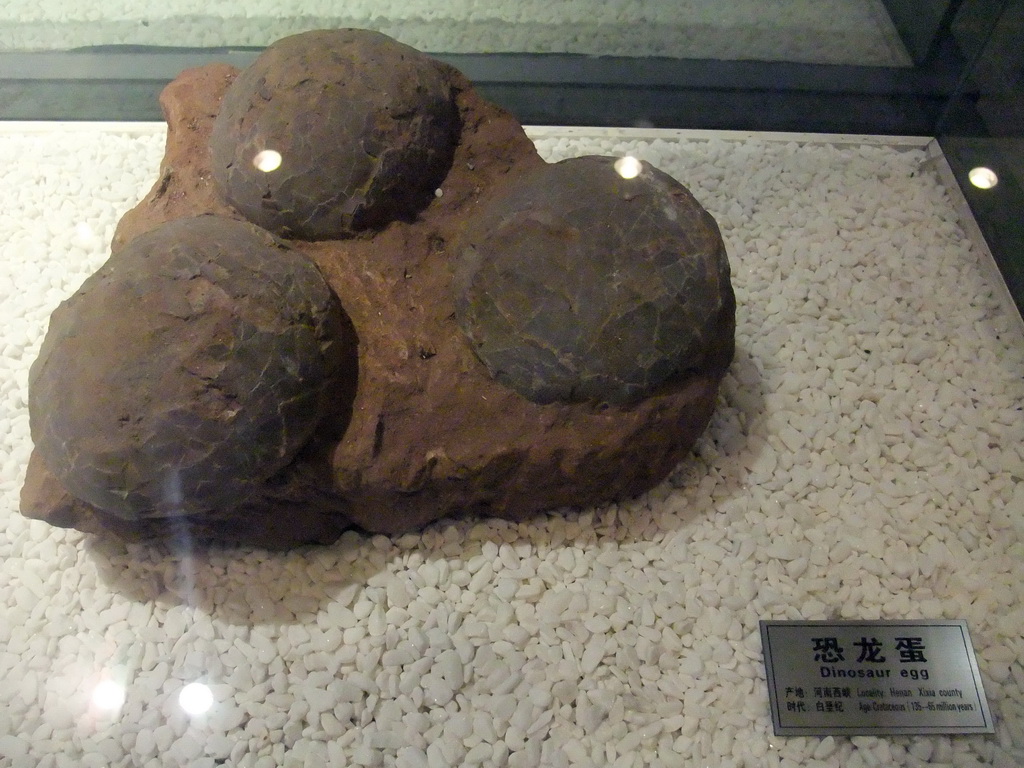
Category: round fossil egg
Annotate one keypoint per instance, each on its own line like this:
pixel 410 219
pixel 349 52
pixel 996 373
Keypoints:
pixel 592 279
pixel 331 132
pixel 191 367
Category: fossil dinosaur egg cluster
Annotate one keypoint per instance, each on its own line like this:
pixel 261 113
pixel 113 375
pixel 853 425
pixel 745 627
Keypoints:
pixel 197 363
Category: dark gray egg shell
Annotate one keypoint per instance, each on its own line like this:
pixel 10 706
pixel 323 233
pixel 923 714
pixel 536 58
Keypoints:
pixel 575 284
pixel 190 368
pixel 365 128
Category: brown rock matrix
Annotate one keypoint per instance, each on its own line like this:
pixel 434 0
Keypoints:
pixel 424 431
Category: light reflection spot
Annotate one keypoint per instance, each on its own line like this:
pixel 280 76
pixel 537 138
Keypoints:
pixel 628 167
pixel 983 178
pixel 267 160
pixel 108 695
pixel 196 698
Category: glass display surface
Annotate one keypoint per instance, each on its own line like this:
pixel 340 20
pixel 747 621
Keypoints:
pixel 843 66
pixel 818 31
pixel 864 461
pixel 982 129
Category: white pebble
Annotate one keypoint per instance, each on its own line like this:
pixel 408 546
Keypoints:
pixel 13 746
pixel 863 460
pixel 411 757
pixel 825 748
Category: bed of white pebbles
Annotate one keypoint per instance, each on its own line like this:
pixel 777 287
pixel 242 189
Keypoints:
pixel 820 31
pixel 865 461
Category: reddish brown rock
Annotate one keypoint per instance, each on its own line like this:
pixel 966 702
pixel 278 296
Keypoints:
pixel 431 433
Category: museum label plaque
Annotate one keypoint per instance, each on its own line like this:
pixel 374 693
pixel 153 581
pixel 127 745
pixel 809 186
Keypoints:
pixel 847 678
